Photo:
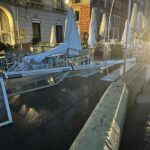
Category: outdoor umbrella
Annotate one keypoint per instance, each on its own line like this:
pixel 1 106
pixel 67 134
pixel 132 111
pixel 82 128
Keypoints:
pixel 134 18
pixel 103 26
pixel 142 24
pixel 92 29
pixel 126 36
pixel 72 36
pixel 53 36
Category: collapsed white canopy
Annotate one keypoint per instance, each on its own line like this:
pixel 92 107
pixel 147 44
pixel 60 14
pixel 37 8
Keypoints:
pixel 92 29
pixel 61 49
pixel 71 45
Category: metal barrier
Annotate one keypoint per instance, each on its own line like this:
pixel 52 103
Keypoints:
pixel 5 114
pixel 52 62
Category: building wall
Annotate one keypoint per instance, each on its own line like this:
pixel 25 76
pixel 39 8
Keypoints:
pixel 84 10
pixel 118 18
pixel 86 1
pixel 23 14
pixel 84 18
pixel 146 36
pixel 46 18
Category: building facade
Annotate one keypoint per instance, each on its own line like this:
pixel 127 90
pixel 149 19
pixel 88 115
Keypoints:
pixel 83 8
pixel 31 20
pixel 146 36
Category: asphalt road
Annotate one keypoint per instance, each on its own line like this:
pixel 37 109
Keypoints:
pixel 51 118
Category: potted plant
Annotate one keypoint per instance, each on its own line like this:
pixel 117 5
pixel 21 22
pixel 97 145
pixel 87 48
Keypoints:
pixel 98 50
pixel 117 51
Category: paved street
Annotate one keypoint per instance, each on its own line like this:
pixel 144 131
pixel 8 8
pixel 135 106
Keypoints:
pixel 51 118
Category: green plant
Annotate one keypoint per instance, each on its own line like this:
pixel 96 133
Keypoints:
pixel 2 46
pixel 117 51
pixel 98 49
pixel 84 45
pixel 5 47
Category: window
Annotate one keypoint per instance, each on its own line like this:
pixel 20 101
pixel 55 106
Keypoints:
pixel 35 1
pixel 36 32
pixel 58 4
pixel 59 36
pixel 77 15
pixel 76 1
pixel 4 28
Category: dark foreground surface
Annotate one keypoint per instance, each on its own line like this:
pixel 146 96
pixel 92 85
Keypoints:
pixel 136 134
pixel 51 118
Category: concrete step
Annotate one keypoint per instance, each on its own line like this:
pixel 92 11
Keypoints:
pixel 143 99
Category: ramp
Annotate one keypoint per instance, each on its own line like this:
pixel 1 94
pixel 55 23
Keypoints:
pixel 5 114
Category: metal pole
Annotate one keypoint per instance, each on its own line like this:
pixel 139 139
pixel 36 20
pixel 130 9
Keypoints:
pixel 112 5
pixel 127 32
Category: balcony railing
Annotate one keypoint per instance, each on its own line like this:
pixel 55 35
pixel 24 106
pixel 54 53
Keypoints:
pixel 58 5
pixel 35 3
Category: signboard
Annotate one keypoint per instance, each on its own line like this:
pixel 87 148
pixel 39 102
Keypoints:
pixel 5 114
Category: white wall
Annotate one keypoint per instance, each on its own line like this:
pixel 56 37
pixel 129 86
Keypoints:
pixel 47 19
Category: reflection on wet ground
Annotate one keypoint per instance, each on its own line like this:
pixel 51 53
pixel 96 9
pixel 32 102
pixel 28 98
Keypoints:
pixel 51 118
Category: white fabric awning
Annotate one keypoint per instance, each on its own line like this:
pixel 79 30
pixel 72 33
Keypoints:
pixel 92 29
pixel 134 18
pixel 126 36
pixel 61 49
pixel 103 26
pixel 53 36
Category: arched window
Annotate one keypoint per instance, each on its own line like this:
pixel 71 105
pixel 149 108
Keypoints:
pixel 5 35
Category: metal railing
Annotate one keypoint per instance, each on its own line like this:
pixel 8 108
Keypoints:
pixel 19 65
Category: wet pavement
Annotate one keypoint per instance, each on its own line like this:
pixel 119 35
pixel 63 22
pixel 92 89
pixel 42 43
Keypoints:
pixel 51 118
pixel 136 133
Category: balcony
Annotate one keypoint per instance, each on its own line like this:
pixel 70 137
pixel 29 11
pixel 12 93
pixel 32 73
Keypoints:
pixel 15 2
pixel 58 6
pixel 35 3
